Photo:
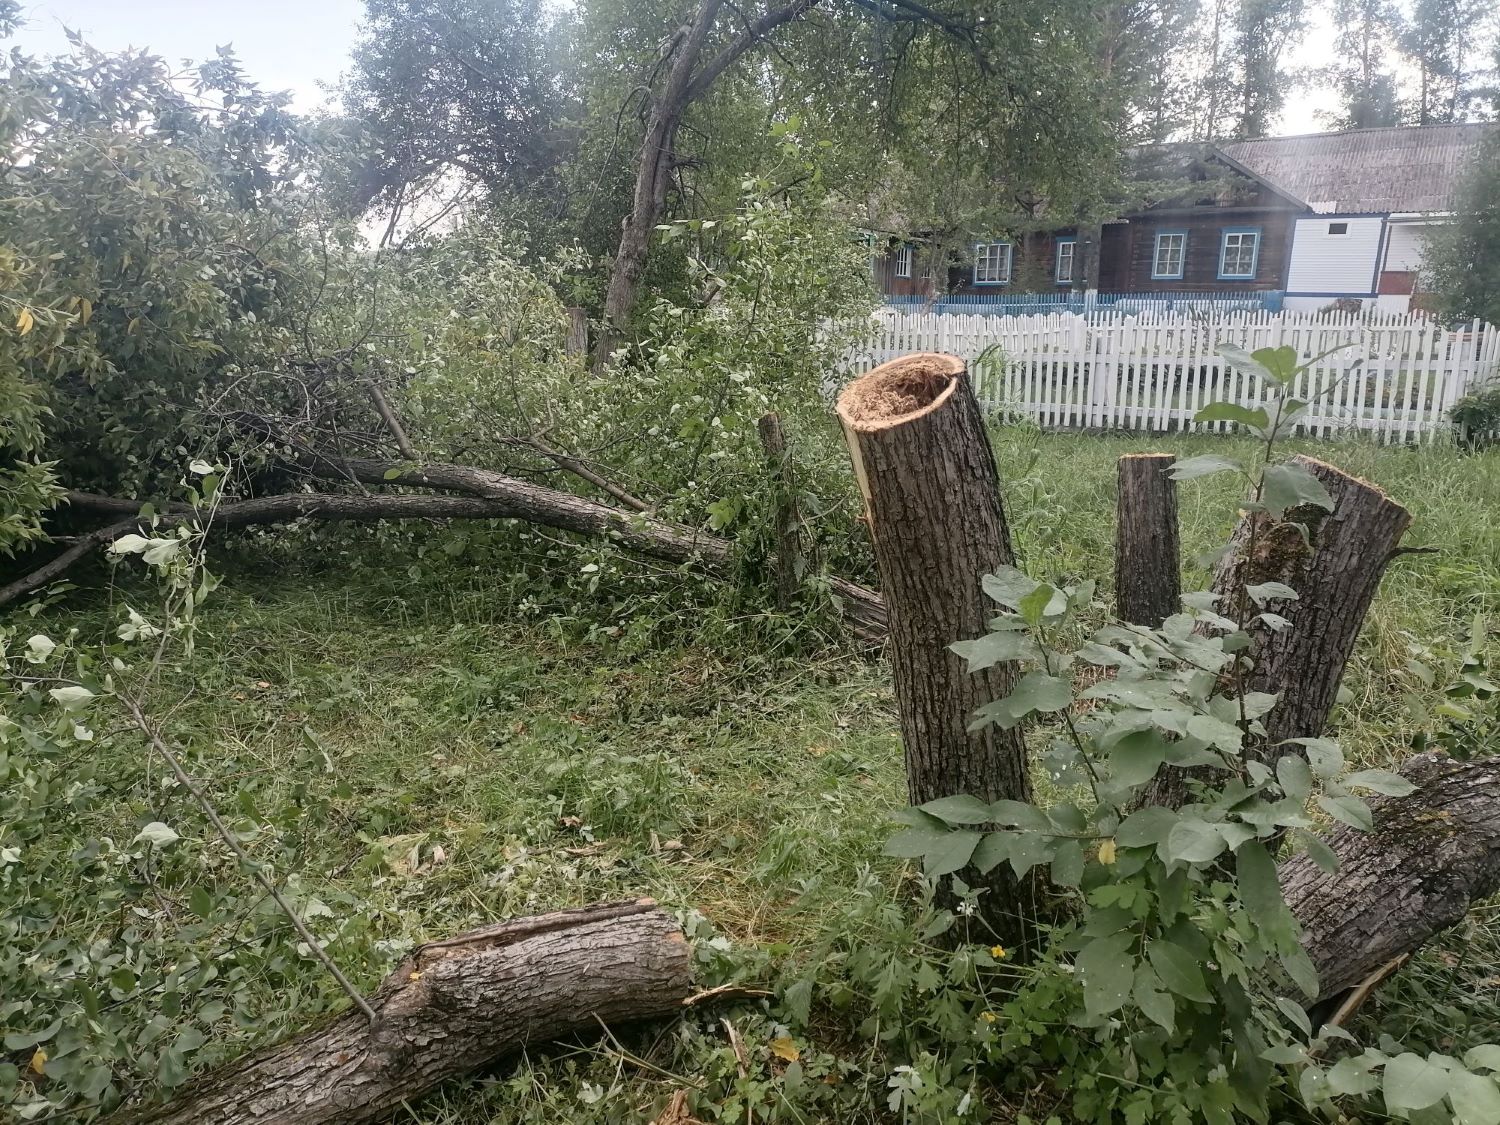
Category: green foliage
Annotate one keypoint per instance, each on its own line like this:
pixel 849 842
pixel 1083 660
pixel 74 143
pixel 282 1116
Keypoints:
pixel 1478 416
pixel 1465 254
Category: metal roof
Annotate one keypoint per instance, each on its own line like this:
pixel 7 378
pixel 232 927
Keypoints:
pixel 1381 170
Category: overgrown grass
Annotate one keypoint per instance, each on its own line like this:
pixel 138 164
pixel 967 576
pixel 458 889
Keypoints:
pixel 555 759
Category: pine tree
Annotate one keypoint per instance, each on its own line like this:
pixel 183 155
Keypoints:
pixel 1263 30
pixel 1366 37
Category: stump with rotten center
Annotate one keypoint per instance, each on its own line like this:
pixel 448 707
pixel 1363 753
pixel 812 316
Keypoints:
pixel 932 504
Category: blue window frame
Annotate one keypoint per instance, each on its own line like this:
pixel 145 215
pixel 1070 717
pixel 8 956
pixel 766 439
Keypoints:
pixel 1239 253
pixel 1067 257
pixel 992 263
pixel 1169 256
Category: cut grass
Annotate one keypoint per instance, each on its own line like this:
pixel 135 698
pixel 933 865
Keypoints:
pixel 555 763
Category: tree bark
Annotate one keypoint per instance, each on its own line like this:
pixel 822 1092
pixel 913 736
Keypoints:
pixel 577 339
pixel 450 1008
pixel 932 504
pixel 1148 577
pixel 788 550
pixel 1336 578
pixel 1432 855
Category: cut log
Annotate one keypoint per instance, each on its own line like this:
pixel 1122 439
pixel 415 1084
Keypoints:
pixel 1336 571
pixel 1432 855
pixel 788 550
pixel 1148 568
pixel 932 503
pixel 450 1008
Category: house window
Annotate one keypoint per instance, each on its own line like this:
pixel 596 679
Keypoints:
pixel 1171 250
pixel 1066 254
pixel 903 261
pixel 992 263
pixel 1238 252
pixel 1338 228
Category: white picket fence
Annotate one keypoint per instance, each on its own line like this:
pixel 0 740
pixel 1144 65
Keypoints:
pixel 1394 376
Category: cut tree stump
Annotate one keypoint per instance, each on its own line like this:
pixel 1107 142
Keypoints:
pixel 452 1007
pixel 932 504
pixel 1335 578
pixel 1148 578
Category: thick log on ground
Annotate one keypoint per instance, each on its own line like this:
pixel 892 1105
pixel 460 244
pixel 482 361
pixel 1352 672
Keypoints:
pixel 450 1008
pixel 1336 572
pixel 1432 855
pixel 1148 569
pixel 487 495
pixel 932 503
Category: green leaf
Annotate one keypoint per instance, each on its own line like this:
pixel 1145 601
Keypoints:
pixel 962 809
pixel 1067 864
pixel 73 697
pixel 1008 586
pixel 1179 970
pixel 1279 362
pixel 156 834
pixel 1194 841
pixel 914 843
pixel 1247 362
pixel 201 902
pixel 1260 890
pixel 1294 776
pixel 994 648
pixel 1486 1056
pixel 1039 604
pixel 1319 852
pixel 1291 486
pixel 1262 592
pixel 1475 1098
pixel 1194 467
pixel 1380 781
pixel 1232 412
pixel 1135 758
pixel 1412 1082
pixel 1155 1004
pixel 1149 825
pixel 1108 972
pixel 392 474
pixel 1351 810
pixel 1035 691
pixel 992 851
pixel 951 853
pixel 1351 1076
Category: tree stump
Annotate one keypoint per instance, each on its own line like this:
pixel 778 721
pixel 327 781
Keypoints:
pixel 1148 579
pixel 933 509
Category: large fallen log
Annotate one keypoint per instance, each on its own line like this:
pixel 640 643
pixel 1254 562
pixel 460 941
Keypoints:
pixel 932 502
pixel 449 1008
pixel 1432 855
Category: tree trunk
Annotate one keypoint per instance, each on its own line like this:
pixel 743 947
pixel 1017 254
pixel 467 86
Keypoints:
pixel 1335 579
pixel 788 550
pixel 577 340
pixel 1432 855
pixel 450 1008
pixel 932 503
pixel 1148 579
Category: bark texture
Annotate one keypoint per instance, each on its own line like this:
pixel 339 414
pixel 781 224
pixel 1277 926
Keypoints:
pixel 1148 578
pixel 1335 577
pixel 932 503
pixel 788 549
pixel 451 1007
pixel 1433 854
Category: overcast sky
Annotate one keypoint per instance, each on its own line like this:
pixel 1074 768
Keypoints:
pixel 296 44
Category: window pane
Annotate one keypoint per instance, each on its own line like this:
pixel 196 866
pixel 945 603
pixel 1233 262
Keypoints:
pixel 1169 249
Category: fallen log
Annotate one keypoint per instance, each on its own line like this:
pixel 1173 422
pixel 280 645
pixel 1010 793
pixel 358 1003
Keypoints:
pixel 487 495
pixel 1432 855
pixel 1335 571
pixel 449 1008
pixel 932 504
pixel 1148 567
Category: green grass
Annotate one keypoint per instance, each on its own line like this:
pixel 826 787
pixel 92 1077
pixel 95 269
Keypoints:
pixel 557 758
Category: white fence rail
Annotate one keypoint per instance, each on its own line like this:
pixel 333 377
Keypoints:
pixel 1394 377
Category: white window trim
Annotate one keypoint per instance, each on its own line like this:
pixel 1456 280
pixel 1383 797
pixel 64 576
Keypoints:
pixel 981 252
pixel 1157 273
pixel 1254 236
pixel 903 261
pixel 1057 274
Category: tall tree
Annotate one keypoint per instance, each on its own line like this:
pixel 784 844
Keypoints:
pixel 1465 255
pixel 1263 30
pixel 1443 43
pixel 1362 76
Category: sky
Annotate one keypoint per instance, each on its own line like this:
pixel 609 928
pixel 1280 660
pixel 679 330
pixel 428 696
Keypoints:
pixel 297 44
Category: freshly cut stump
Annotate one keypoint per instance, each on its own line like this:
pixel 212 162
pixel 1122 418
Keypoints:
pixel 932 505
pixel 1148 575
pixel 451 1007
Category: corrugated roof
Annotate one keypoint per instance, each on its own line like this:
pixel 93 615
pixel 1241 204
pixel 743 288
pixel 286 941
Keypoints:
pixel 1405 169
